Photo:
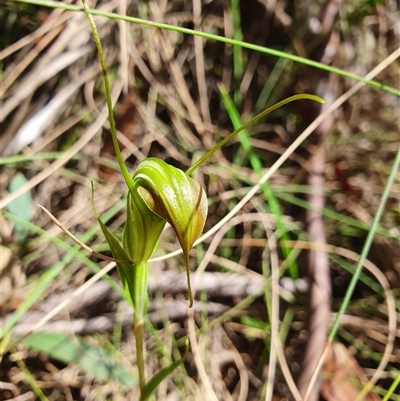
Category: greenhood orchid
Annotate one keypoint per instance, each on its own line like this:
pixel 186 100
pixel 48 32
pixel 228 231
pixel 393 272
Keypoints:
pixel 160 193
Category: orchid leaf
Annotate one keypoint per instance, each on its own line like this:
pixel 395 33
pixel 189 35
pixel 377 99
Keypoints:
pixel 21 206
pixel 152 384
pixel 97 362
pixel 125 270
pixel 134 276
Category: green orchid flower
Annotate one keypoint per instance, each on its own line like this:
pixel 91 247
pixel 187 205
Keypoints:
pixel 175 197
pixel 160 193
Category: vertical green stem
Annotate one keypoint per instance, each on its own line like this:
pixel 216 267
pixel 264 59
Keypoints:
pixel 190 293
pixel 140 279
pixel 139 291
pixel 96 37
pixel 138 330
pixel 138 288
pixel 238 68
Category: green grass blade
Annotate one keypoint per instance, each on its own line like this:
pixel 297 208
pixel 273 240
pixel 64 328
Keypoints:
pixel 331 214
pixel 152 384
pixel 45 280
pixel 40 286
pixel 269 86
pixel 392 388
pixel 238 67
pixel 366 248
pixel 29 378
pixel 257 167
pixel 265 50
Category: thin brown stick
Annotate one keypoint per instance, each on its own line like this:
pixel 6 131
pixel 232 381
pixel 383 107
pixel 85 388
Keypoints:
pixel 318 261
pixel 318 268
pixel 392 57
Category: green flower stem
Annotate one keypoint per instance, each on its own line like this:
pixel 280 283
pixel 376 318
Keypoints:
pixel 141 271
pixel 190 292
pixel 140 296
pixel 113 130
pixel 138 330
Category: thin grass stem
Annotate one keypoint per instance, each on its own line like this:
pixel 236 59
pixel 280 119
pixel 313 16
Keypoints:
pixel 265 50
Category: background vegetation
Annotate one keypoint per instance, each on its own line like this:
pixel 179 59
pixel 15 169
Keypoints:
pixel 176 95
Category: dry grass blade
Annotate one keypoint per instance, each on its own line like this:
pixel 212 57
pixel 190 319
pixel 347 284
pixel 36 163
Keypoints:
pixel 248 327
pixel 83 140
pixel 390 303
pixel 80 243
pixel 64 304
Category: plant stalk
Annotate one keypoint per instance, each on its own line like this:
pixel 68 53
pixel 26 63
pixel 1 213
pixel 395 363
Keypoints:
pixel 113 130
pixel 141 270
pixel 138 330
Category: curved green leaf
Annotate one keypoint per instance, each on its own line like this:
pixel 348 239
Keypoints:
pixel 93 360
pixel 152 384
